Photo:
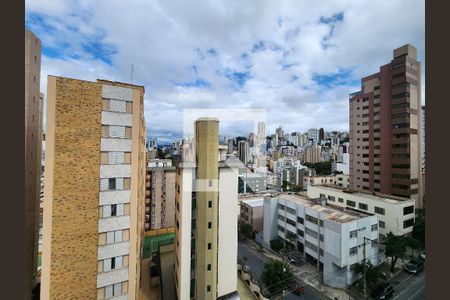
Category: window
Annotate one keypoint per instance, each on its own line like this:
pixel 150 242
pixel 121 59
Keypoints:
pixel 290 222
pixel 311 219
pixel 300 220
pixel 379 210
pixel 208 288
pixel 209 225
pixel 281 206
pixel 320 223
pixel 282 218
pixel 113 290
pixel 362 206
pixel 113 210
pixel 322 196
pixel 332 198
pixel 114 237
pixel 353 233
pixel 209 246
pixel 351 203
pixel 112 183
pixel 210 204
pixel 381 224
pixel 408 210
pixel 353 251
pixel 341 200
pixel 209 267
pixel 311 232
pixel 210 183
pixel 374 227
pixel 300 233
pixel 408 223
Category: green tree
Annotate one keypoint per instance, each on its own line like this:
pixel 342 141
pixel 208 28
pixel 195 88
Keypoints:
pixel 245 230
pixel 277 276
pixel 276 245
pixel 396 247
pixel 373 273
pixel 419 230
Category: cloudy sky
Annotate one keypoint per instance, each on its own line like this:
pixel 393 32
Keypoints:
pixel 298 60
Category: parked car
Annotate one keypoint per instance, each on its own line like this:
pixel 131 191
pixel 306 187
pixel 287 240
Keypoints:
pixel 414 266
pixel 422 255
pixel 383 291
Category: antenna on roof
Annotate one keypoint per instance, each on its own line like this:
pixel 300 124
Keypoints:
pixel 131 71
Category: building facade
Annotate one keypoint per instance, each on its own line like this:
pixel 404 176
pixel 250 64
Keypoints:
pixel 385 154
pixel 206 218
pixel 252 212
pixel 313 154
pixel 94 190
pixel 330 237
pixel 33 142
pixel 318 180
pixel 395 214
pixel 160 194
pixel 244 152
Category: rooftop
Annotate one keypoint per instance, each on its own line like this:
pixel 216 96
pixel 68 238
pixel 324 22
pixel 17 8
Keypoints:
pixel 254 202
pixel 373 196
pixel 334 213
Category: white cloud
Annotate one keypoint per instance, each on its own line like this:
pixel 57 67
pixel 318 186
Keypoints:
pixel 164 40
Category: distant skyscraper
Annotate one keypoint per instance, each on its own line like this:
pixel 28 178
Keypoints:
pixel 385 153
pixel 94 191
pixel 251 139
pixel 261 137
pixel 313 134
pixel 206 220
pixel 321 134
pixel 243 152
pixel 230 146
pixel 280 133
pixel 33 146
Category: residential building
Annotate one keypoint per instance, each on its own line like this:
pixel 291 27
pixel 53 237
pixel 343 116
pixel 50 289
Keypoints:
pixel 321 134
pixel 318 180
pixel 151 144
pixel 385 135
pixel 160 194
pixel 313 154
pixel 252 212
pixel 395 214
pixel 33 142
pixel 280 133
pixel 251 182
pixel 342 180
pixel 244 152
pixel 313 134
pixel 328 236
pixel 94 190
pixel 422 127
pixel 206 217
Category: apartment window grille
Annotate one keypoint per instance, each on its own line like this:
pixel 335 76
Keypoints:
pixel 351 203
pixel 353 234
pixel 408 210
pixel 300 220
pixel 381 224
pixel 374 227
pixel 353 251
pixel 362 206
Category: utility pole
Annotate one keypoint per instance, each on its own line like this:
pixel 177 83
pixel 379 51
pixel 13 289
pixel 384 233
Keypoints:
pixel 364 268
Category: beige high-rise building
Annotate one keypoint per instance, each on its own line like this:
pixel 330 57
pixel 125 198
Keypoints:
pixel 312 154
pixel 385 135
pixel 33 138
pixel 94 190
pixel 160 194
pixel 206 218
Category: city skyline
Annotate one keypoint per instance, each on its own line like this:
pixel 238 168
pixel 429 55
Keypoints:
pixel 299 66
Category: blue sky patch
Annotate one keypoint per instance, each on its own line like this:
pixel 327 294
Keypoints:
pixel 198 83
pixel 343 77
pixel 333 19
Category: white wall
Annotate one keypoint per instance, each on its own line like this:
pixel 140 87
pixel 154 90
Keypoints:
pixel 270 219
pixel 227 252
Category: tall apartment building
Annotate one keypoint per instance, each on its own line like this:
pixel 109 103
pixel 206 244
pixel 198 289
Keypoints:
pixel 313 134
pixel 244 152
pixel 206 218
pixel 33 142
pixel 422 128
pixel 313 154
pixel 94 194
pixel 261 137
pixel 385 129
pixel 160 194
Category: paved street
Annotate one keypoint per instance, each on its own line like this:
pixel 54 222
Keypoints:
pixel 409 286
pixel 256 261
